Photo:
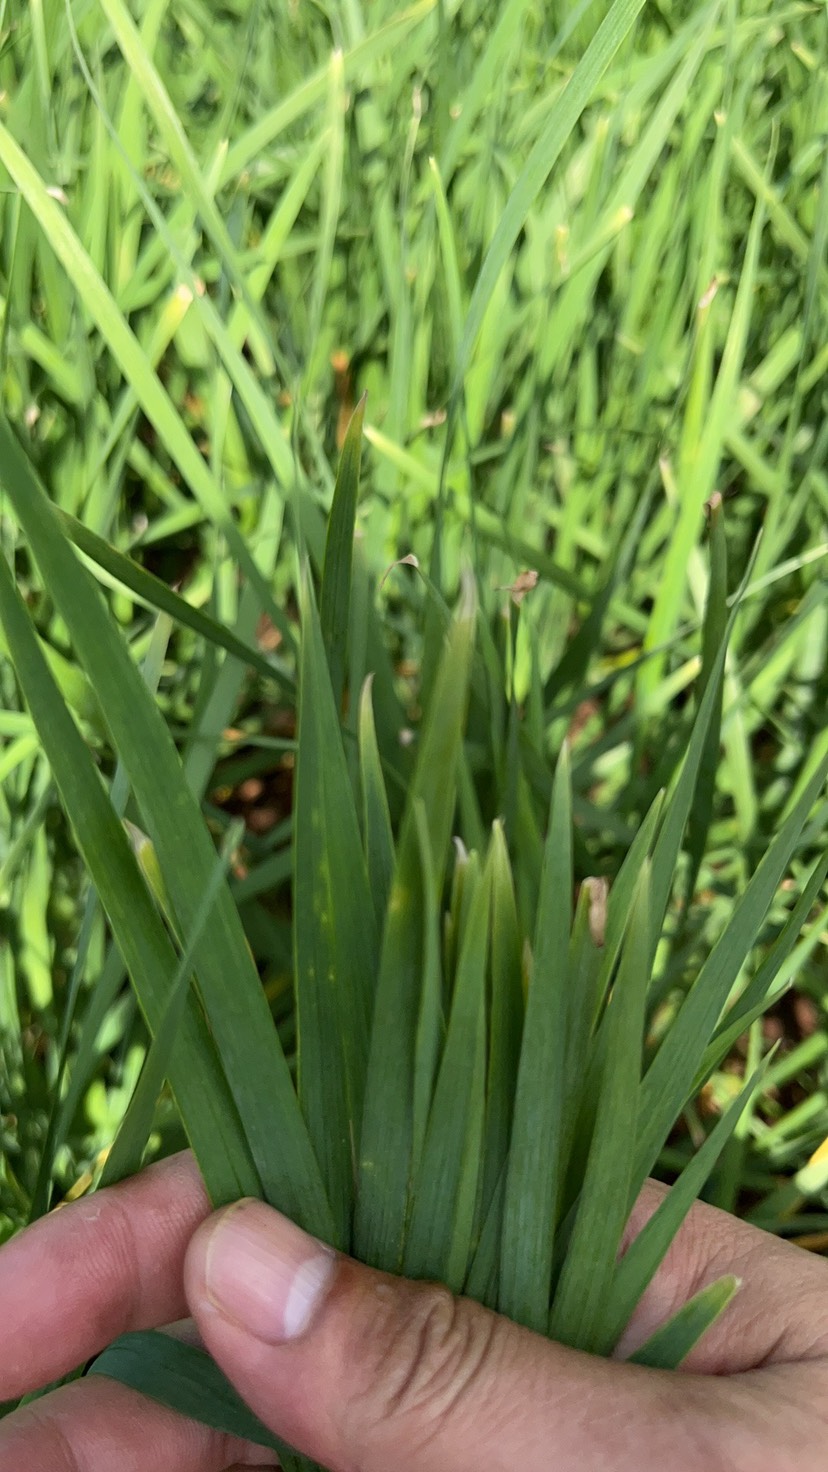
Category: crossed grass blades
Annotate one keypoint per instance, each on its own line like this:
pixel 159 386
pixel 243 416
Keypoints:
pixel 530 1060
pixel 469 1102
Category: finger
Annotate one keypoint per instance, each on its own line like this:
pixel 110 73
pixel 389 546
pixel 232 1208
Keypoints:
pixel 359 1369
pixel 96 1424
pixel 88 1272
pixel 779 1315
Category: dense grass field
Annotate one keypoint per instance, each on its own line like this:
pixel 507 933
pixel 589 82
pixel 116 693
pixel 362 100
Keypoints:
pixel 589 318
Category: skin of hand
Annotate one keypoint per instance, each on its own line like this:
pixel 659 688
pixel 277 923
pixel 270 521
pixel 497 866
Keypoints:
pixel 369 1373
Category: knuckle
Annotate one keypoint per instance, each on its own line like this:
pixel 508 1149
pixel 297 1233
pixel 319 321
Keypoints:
pixel 418 1359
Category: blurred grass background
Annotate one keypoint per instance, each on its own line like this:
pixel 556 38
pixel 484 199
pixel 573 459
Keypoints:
pixel 221 226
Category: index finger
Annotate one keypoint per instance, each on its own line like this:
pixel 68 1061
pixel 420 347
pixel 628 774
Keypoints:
pixel 109 1263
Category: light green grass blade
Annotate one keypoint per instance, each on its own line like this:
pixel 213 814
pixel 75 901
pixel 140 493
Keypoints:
pixel 589 1265
pixel 533 1177
pixel 335 592
pixel 672 1343
pixel 385 1164
pixel 127 1150
pixel 438 1241
pixel 542 159
pixel 228 981
pixel 645 1254
pixel 197 1078
pixel 377 43
pixel 702 464
pixel 131 358
pixel 335 940
pixel 377 836
pixel 713 636
pixel 145 77
pixel 754 998
pixel 666 1084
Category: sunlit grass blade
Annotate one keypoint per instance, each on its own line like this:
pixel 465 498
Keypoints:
pixel 438 1240
pixel 665 1086
pixel 533 1177
pixel 601 1212
pixel 384 1174
pixel 713 636
pixel 754 998
pixel 672 1343
pixel 545 153
pixel 131 358
pixel 127 1150
pixel 197 1078
pixel 335 591
pixel 228 982
pixel 335 937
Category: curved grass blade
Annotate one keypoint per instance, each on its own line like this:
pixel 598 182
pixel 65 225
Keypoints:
pixel 197 1079
pixel 647 1251
pixel 669 1078
pixel 533 1175
pixel 672 1343
pixel 157 595
pixel 229 984
pixel 184 1377
pixel 542 159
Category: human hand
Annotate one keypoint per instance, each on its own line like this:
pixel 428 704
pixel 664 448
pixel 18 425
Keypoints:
pixel 377 1373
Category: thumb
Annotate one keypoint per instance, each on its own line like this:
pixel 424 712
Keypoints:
pixel 365 1372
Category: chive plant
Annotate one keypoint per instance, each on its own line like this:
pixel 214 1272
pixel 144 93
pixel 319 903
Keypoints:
pixel 514 958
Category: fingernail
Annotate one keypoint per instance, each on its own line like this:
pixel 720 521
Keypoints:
pixel 266 1273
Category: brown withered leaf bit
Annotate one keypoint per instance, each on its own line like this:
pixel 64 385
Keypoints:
pixel 598 892
pixel 409 561
pixel 523 584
